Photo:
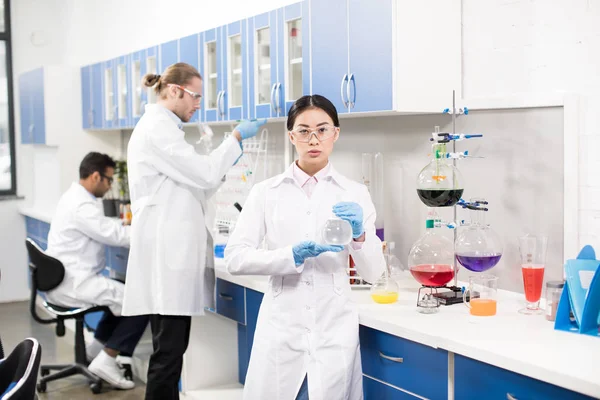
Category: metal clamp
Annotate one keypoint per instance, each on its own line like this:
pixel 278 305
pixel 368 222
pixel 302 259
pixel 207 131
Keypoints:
pixel 225 297
pixel 344 79
pixel 394 359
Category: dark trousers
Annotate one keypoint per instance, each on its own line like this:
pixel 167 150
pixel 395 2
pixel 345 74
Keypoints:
pixel 170 338
pixel 121 333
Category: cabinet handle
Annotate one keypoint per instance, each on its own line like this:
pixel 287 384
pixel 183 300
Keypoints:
pixel 222 107
pixel 120 257
pixel 225 297
pixel 30 129
pixel 278 94
pixel 273 108
pixel 219 103
pixel 90 118
pixel 351 79
pixel 510 397
pixel 115 114
pixel 394 359
pixel 344 79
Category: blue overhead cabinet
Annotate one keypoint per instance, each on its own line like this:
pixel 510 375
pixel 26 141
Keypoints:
pixel 169 55
pixel 152 64
pixel 234 99
pixel 262 71
pixel 109 87
pixel 31 107
pixel 352 50
pixel 123 75
pixel 137 90
pixel 189 53
pixel 293 55
pixel 212 50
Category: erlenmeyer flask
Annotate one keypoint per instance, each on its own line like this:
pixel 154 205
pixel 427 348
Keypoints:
pixel 439 183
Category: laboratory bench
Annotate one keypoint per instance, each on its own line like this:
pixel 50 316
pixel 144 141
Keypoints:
pixel 405 354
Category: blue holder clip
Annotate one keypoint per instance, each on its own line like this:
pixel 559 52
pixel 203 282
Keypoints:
pixel 579 299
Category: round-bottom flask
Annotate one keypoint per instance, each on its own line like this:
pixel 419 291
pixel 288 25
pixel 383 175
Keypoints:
pixel 337 231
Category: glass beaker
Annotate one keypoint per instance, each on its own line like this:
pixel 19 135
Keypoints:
pixel 385 290
pixel 337 231
pixel 483 291
pixel 533 262
pixel 478 248
pixel 439 184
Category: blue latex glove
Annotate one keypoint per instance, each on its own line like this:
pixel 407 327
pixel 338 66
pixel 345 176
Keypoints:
pixel 304 250
pixel 353 213
pixel 248 129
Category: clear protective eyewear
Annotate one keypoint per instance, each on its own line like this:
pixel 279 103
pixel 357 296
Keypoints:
pixel 195 96
pixel 322 133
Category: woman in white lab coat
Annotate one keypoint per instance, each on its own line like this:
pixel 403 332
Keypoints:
pixel 306 341
pixel 170 270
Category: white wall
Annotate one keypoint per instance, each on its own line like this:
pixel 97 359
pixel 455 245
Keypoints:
pixel 13 282
pixel 508 47
pixel 531 46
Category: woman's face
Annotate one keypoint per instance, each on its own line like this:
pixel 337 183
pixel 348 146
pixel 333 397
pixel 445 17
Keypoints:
pixel 313 135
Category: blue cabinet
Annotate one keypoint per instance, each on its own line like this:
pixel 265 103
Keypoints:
pixel 414 367
pixel 476 380
pixel 31 107
pixel 231 301
pixel 139 94
pixel 246 332
pixel 96 115
pixel 352 58
pixel 169 55
pixel 235 71
pixel 375 390
pixel 123 78
pixel 38 231
pixel 212 54
pixel 109 91
pixel 189 53
pixel 262 65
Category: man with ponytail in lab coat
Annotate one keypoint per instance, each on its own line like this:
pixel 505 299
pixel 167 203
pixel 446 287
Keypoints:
pixel 78 234
pixel 170 274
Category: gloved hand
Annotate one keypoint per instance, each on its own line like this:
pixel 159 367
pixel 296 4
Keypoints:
pixel 248 129
pixel 353 213
pixel 307 249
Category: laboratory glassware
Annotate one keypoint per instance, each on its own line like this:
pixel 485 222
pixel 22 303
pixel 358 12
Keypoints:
pixel 385 290
pixel 532 250
pixel 439 184
pixel 553 292
pixel 483 291
pixel 337 231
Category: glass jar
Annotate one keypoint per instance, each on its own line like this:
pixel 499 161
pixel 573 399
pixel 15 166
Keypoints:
pixel 553 293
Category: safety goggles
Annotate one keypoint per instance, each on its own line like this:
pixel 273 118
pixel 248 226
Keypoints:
pixel 322 133
pixel 195 96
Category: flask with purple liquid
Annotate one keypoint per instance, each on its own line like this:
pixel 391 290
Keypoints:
pixel 478 248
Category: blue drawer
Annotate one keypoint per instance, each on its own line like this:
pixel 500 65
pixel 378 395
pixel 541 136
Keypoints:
pixel 230 301
pixel 417 368
pixel 32 227
pixel 374 390
pixel 477 380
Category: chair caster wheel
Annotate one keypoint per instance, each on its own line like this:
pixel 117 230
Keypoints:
pixel 96 387
pixel 41 387
pixel 44 371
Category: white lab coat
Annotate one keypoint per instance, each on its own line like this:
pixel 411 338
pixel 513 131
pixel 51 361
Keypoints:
pixel 171 265
pixel 307 323
pixel 78 233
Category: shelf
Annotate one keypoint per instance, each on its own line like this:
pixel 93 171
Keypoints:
pixel 296 61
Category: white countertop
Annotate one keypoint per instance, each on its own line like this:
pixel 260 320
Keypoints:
pixel 525 344
pixel 45 216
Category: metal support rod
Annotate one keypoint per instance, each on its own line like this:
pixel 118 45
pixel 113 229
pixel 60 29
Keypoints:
pixel 454 181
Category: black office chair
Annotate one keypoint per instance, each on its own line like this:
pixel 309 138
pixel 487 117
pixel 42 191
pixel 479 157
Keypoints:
pixel 46 274
pixel 18 372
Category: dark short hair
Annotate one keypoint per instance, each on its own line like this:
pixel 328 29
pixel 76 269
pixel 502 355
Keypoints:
pixel 306 103
pixel 95 162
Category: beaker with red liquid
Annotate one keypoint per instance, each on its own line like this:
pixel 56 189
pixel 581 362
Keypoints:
pixel 532 250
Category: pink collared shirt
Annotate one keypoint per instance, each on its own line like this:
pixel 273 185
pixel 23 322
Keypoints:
pixel 308 184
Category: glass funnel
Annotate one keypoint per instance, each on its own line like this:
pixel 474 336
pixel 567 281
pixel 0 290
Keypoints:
pixel 431 259
pixel 440 183
pixel 337 231
pixel 478 247
pixel 385 290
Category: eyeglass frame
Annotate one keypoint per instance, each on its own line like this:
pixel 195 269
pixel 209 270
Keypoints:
pixel 110 179
pixel 195 96
pixel 313 132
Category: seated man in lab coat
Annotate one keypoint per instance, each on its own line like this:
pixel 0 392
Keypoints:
pixel 78 233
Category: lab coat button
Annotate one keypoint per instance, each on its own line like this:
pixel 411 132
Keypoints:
pixel 308 307
pixel 307 283
pixel 308 213
pixel 307 330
